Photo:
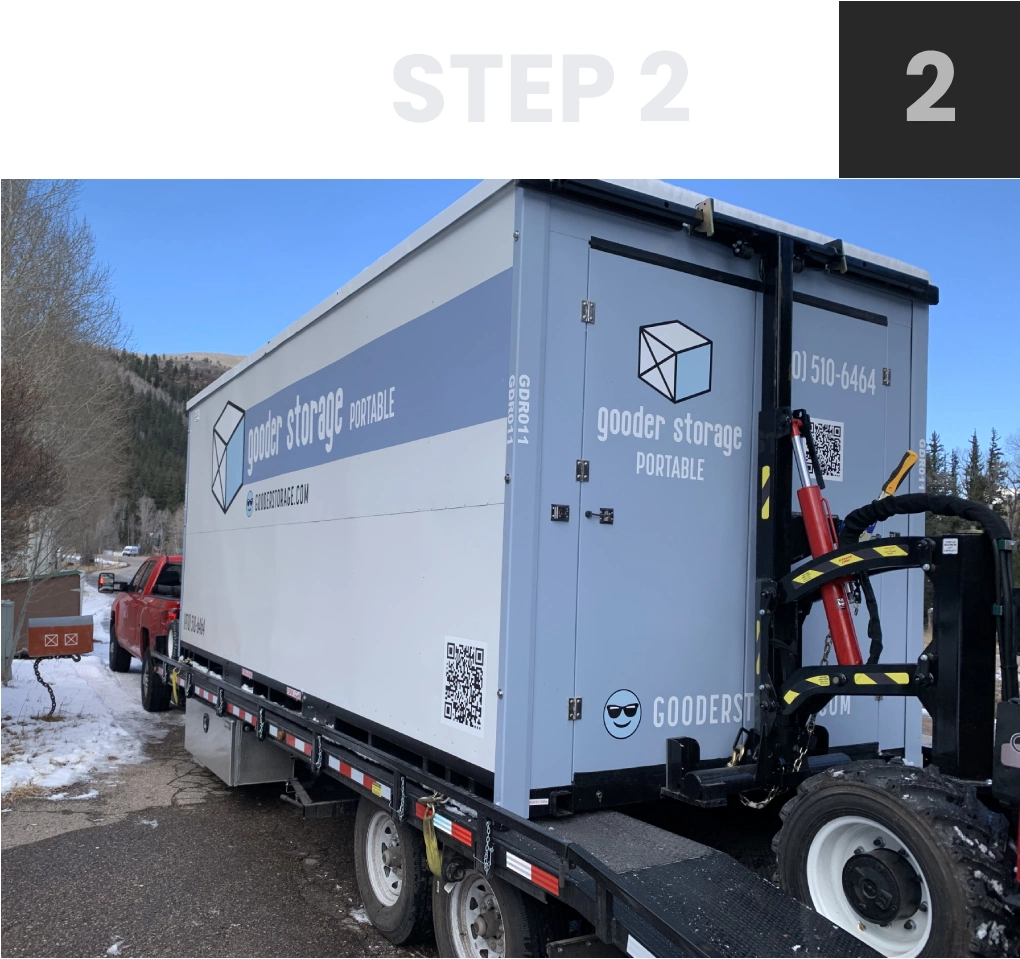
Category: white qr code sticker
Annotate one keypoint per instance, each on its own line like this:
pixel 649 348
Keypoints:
pixel 828 437
pixel 464 689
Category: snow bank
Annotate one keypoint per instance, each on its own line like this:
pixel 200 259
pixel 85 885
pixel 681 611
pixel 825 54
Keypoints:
pixel 101 724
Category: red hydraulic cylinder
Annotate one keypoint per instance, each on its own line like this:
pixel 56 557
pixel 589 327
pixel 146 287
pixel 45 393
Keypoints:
pixel 821 539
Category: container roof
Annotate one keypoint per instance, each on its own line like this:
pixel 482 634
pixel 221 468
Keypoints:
pixel 652 197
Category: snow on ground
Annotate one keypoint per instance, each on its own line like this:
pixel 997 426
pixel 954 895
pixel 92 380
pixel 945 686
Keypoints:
pixel 99 722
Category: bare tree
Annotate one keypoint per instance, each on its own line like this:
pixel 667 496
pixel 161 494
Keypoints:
pixel 62 432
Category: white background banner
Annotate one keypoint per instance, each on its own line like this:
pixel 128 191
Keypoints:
pixel 640 89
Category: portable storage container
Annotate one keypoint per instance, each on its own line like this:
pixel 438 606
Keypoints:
pixel 492 504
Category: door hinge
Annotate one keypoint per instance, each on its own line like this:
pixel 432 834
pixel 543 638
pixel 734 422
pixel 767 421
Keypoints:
pixel 573 708
pixel 581 471
pixel 886 376
pixel 587 311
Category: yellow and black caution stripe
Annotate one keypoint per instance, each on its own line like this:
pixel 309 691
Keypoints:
pixel 766 489
pixel 844 560
pixel 847 681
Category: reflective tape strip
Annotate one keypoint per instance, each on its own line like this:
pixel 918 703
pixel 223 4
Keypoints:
pixel 766 473
pixel 863 679
pixel 901 679
pixel 249 718
pixel 541 878
pixel 443 824
pixel 790 696
pixel 634 948
pixel 299 744
pixel 357 776
pixel 205 694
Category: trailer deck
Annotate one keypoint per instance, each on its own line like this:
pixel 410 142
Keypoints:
pixel 645 890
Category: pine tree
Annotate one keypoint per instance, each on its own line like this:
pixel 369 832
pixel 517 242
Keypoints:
pixel 935 465
pixel 995 472
pixel 975 482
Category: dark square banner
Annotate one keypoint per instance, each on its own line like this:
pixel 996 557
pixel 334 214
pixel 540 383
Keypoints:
pixel 929 89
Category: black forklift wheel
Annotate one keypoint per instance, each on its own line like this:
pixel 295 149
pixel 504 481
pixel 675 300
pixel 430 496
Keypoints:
pixel 393 874
pixel 908 860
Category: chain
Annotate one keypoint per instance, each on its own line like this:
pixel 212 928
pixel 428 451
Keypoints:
pixel 402 809
pixel 809 729
pixel 487 855
pixel 260 729
pixel 318 753
pixel 49 688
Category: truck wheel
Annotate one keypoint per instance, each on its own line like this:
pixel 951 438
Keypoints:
pixel 155 693
pixel 485 916
pixel 393 874
pixel 120 658
pixel 907 860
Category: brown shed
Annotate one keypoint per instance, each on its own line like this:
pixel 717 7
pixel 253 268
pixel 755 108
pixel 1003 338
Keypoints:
pixel 52 594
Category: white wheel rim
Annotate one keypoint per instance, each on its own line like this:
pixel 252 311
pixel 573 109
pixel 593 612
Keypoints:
pixel 383 856
pixel 476 919
pixel 835 843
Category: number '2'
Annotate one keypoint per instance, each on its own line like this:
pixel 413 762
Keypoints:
pixel 924 107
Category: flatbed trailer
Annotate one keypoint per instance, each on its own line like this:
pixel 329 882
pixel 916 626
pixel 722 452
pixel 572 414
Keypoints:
pixel 642 890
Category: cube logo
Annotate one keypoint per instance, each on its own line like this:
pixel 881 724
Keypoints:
pixel 675 360
pixel 228 455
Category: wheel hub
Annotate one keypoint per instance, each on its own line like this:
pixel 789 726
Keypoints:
pixel 882 886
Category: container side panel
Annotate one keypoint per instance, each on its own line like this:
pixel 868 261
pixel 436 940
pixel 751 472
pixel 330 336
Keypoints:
pixel 916 484
pixel 556 601
pixel 364 567
pixel 523 463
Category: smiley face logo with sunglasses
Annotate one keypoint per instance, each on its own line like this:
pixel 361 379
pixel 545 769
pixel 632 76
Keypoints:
pixel 622 714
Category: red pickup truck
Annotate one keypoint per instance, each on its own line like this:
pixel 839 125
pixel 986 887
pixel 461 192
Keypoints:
pixel 140 620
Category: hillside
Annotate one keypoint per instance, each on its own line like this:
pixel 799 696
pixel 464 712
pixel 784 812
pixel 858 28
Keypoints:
pixel 156 390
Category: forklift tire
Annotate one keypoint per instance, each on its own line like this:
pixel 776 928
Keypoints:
pixel 155 693
pixel 472 916
pixel 907 860
pixel 120 658
pixel 393 874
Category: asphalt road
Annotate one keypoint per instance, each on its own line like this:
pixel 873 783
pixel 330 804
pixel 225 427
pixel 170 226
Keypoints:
pixel 167 862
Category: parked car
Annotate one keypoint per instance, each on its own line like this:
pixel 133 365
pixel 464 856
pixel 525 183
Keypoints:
pixel 129 551
pixel 140 621
pixel 107 582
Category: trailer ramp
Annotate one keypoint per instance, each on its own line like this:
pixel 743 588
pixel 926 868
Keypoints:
pixel 668 896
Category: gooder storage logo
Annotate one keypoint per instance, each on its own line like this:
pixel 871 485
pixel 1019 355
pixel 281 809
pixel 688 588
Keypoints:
pixel 228 455
pixel 675 360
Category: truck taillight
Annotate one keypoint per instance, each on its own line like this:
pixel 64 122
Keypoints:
pixel 168 616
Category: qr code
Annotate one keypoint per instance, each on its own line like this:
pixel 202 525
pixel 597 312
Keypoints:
pixel 828 437
pixel 465 684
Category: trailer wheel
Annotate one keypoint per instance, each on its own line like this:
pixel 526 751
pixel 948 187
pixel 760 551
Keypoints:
pixel 120 658
pixel 155 693
pixel 393 874
pixel 486 917
pixel 907 860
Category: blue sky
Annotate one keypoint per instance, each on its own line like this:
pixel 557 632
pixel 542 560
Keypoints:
pixel 223 266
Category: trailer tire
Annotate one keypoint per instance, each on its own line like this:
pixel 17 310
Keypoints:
pixel 120 658
pixel 155 693
pixel 394 889
pixel 956 860
pixel 522 921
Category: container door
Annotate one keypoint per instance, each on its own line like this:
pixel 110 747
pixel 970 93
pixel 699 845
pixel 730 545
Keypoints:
pixel 663 624
pixel 851 372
